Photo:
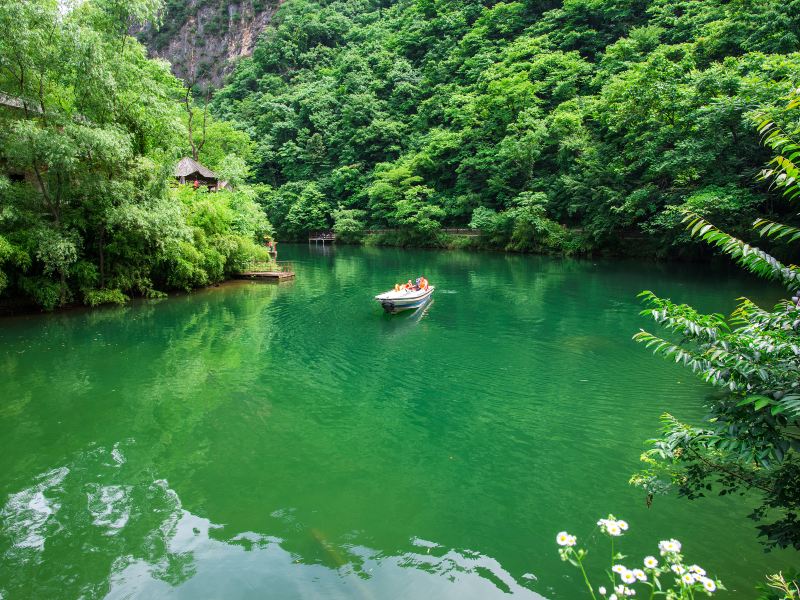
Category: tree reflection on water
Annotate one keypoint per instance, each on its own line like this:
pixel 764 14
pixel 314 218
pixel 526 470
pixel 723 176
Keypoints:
pixel 123 535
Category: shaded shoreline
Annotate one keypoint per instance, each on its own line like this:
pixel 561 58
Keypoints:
pixel 23 307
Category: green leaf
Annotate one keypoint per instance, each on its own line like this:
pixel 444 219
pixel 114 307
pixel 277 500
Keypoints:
pixel 762 401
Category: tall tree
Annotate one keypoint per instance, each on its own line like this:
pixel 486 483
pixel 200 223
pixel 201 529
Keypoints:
pixel 89 132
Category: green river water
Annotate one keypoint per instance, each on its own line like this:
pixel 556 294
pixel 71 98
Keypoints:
pixel 291 441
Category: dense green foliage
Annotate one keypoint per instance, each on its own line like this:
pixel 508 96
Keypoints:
pixel 521 117
pixel 86 158
pixel 752 439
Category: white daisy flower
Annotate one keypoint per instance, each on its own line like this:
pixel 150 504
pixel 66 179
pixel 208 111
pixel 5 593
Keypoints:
pixel 619 569
pixel 678 569
pixel 628 576
pixel 624 590
pixel 639 574
pixel 669 546
pixel 602 590
pixel 565 539
pixel 709 584
pixel 687 579
pixel 697 570
pixel 650 562
pixel 612 597
pixel 611 526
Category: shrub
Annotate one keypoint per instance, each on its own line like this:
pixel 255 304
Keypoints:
pixel 104 296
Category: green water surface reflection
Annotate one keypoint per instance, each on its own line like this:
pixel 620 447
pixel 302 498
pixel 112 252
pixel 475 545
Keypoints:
pixel 291 441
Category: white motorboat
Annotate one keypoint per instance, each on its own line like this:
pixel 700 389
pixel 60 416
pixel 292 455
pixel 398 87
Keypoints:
pixel 394 301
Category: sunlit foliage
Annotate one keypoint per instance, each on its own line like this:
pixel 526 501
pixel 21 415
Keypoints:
pixel 90 130
pixel 751 440
pixel 613 115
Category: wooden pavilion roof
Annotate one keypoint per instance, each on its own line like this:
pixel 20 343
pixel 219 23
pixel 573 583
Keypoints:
pixel 188 166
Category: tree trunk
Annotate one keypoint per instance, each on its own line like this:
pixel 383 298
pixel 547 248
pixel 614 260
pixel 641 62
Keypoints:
pixel 62 297
pixel 102 257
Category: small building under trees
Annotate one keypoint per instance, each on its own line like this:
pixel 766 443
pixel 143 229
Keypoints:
pixel 192 172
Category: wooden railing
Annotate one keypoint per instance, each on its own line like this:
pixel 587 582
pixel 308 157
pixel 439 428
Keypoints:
pixel 326 236
pixel 330 236
pixel 448 230
pixel 463 231
pixel 321 235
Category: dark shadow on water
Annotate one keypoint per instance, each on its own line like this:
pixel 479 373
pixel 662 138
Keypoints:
pixel 405 322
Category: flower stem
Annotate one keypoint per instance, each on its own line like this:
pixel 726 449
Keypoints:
pixel 586 579
pixel 611 575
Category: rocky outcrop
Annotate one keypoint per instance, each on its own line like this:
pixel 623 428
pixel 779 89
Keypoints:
pixel 204 38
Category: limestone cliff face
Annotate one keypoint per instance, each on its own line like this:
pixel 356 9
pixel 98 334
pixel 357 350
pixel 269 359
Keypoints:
pixel 203 38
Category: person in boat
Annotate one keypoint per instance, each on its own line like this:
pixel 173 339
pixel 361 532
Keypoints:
pixel 397 287
pixel 408 286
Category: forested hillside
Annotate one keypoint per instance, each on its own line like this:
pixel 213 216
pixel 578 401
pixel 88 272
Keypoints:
pixel 90 132
pixel 551 126
pixel 563 127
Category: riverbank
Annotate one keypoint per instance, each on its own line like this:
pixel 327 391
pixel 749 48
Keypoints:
pixel 565 242
pixel 571 244
pixel 20 307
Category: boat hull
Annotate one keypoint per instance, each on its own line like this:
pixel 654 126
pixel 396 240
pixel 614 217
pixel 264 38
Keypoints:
pixel 394 302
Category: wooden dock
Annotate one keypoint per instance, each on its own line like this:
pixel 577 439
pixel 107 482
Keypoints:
pixel 321 236
pixel 274 271
pixel 276 275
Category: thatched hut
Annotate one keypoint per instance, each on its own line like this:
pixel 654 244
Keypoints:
pixel 192 172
